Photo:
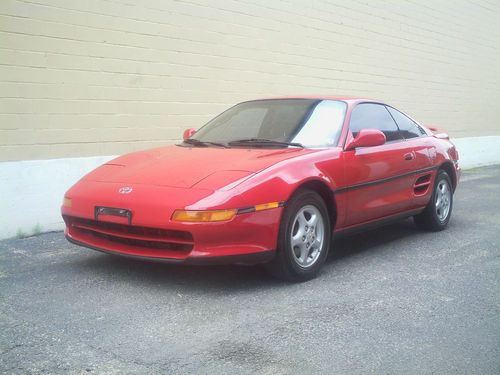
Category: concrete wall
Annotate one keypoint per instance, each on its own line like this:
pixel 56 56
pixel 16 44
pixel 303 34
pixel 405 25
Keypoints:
pixel 82 80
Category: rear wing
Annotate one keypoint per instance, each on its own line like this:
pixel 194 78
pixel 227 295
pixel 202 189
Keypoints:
pixel 436 132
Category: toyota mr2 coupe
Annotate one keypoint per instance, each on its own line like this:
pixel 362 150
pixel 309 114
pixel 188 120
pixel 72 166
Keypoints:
pixel 268 181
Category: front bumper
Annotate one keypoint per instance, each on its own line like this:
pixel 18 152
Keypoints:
pixel 248 238
pixel 245 259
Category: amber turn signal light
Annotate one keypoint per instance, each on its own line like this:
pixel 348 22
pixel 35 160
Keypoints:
pixel 67 202
pixel 266 206
pixel 203 216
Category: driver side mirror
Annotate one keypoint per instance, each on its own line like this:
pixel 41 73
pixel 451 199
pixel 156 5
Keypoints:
pixel 188 133
pixel 366 138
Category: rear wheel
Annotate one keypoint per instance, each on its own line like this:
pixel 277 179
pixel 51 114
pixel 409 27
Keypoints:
pixel 304 238
pixel 437 213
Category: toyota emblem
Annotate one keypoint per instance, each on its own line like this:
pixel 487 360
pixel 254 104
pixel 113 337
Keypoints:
pixel 125 190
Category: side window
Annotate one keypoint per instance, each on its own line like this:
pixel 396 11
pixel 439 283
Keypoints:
pixel 407 126
pixel 373 116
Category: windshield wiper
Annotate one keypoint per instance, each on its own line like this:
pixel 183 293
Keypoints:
pixel 263 142
pixel 196 142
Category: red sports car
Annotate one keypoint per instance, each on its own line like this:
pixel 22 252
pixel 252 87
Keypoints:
pixel 268 181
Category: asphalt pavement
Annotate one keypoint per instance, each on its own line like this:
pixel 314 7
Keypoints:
pixel 391 301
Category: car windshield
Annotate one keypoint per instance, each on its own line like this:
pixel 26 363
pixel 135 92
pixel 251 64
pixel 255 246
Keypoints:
pixel 275 123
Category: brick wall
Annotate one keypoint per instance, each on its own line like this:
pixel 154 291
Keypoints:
pixel 95 77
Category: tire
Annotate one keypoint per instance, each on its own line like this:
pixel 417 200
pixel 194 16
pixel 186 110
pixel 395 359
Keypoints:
pixel 437 213
pixel 304 238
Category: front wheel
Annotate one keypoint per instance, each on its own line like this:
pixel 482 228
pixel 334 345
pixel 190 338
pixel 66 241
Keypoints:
pixel 437 213
pixel 304 238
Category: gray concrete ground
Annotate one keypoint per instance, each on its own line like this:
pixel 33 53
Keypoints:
pixel 393 301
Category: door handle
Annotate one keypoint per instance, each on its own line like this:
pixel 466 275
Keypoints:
pixel 409 156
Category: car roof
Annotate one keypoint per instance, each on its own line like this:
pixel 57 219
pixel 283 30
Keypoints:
pixel 327 97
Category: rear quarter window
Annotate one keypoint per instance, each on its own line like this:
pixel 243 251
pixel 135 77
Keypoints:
pixel 408 127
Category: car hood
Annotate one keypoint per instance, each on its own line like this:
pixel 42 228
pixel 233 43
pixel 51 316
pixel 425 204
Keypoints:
pixel 188 167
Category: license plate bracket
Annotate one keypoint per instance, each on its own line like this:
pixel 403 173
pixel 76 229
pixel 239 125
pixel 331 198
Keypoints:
pixel 113 211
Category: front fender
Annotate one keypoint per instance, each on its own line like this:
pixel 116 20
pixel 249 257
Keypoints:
pixel 280 181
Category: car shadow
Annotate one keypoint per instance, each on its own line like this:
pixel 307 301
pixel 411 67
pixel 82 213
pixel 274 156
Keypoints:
pixel 201 278
pixel 372 240
pixel 231 277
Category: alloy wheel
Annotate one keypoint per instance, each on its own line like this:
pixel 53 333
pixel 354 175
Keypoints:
pixel 307 236
pixel 443 200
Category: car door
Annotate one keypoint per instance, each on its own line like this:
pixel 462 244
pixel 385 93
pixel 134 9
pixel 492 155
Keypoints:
pixel 418 140
pixel 378 180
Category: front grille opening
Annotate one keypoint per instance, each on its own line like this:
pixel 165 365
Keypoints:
pixel 131 229
pixel 135 236
pixel 140 243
